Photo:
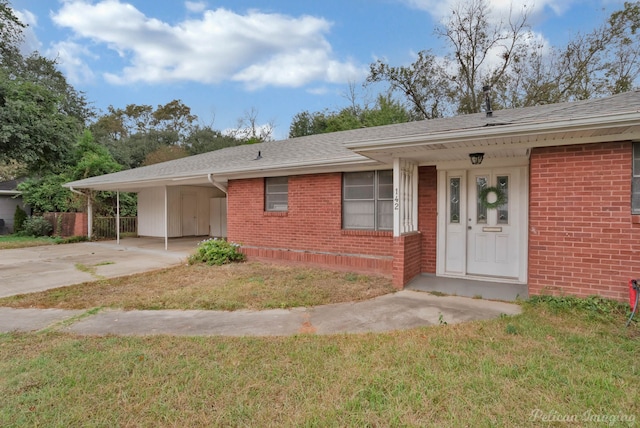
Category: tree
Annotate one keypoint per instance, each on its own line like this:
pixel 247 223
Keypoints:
pixel 174 116
pixel 249 131
pixel 133 133
pixel 504 55
pixel 203 139
pixel 11 170
pixel 386 111
pixel 307 123
pixel 422 83
pixel 40 114
pixel 10 33
pixel 33 130
pixel 164 154
pixel 46 193
pixel 483 51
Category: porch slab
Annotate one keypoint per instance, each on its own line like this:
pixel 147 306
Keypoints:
pixel 489 290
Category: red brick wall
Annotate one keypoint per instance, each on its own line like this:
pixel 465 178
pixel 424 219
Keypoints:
pixel 68 224
pixel 310 231
pixel 406 258
pixel 582 236
pixel 427 216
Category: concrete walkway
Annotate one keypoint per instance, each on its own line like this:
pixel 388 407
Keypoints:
pixel 34 269
pixel 398 311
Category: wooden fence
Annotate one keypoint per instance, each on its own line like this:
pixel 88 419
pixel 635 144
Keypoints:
pixel 105 227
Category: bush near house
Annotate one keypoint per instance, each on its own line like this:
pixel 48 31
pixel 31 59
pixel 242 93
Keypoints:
pixel 216 252
pixel 36 226
pixel 18 219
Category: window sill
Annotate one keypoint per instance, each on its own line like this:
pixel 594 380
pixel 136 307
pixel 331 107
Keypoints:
pixel 635 218
pixel 346 232
pixel 275 213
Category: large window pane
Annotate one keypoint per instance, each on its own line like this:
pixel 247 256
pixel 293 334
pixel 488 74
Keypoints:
pixel 358 192
pixel 359 214
pixel 359 178
pixel 385 215
pixel 385 185
pixel 276 193
pixel 368 200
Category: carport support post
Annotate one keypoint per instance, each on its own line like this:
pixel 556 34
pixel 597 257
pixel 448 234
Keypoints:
pixel 89 216
pixel 118 217
pixel 166 220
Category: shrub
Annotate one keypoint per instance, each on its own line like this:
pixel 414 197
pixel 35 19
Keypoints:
pixel 36 226
pixel 18 219
pixel 216 252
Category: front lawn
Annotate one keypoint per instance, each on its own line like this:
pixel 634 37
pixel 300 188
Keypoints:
pixel 11 242
pixel 557 362
pixel 8 242
pixel 228 287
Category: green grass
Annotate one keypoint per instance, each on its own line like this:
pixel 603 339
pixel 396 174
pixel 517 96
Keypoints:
pixel 565 361
pixel 228 287
pixel 12 241
pixel 9 242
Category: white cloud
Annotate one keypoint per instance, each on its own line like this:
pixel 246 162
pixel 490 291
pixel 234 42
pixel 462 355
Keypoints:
pixel 30 42
pixel 69 58
pixel 257 49
pixel 195 6
pixel 440 9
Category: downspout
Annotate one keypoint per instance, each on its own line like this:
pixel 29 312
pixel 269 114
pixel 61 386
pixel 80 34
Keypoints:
pixel 166 220
pixel 218 185
pixel 118 217
pixel 89 212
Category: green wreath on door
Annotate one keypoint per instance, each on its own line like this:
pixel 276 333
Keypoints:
pixel 501 198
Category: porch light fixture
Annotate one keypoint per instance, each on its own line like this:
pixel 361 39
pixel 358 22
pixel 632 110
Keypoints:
pixel 476 158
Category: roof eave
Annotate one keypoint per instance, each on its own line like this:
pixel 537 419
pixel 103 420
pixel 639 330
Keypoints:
pixel 293 168
pixel 500 131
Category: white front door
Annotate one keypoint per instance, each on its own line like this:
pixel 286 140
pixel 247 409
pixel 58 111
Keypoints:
pixel 483 238
pixel 492 231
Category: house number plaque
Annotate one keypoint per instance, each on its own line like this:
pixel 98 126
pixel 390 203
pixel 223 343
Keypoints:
pixel 396 199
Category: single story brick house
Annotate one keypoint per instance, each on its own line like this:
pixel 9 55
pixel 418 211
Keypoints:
pixel 546 197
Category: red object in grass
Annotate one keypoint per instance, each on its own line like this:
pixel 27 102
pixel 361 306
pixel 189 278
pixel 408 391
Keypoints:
pixel 633 291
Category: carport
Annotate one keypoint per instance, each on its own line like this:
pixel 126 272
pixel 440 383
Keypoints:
pixel 169 208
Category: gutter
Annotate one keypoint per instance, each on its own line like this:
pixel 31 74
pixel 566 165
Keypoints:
pixel 218 185
pixel 540 127
pixel 76 191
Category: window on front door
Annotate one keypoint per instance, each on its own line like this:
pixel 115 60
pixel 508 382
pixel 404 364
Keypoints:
pixel 367 200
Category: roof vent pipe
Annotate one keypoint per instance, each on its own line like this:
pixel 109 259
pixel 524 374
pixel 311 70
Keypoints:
pixel 259 155
pixel 487 99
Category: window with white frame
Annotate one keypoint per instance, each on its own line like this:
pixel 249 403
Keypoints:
pixel 367 200
pixel 276 193
pixel 635 181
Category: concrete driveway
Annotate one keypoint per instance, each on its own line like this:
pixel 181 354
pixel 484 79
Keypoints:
pixel 28 270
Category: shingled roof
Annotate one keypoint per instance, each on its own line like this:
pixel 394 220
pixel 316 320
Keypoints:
pixel 338 150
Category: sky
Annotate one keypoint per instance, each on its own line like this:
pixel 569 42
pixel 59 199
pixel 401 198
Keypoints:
pixel 226 58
